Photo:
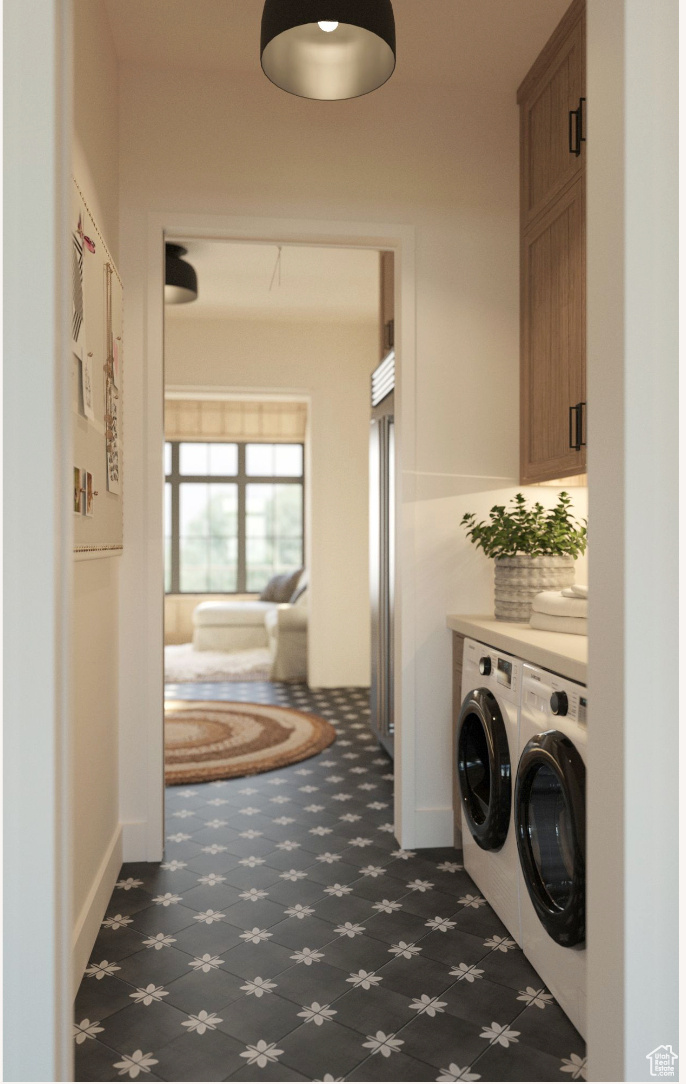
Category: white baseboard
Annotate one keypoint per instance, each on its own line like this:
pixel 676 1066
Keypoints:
pixel 432 828
pixel 88 921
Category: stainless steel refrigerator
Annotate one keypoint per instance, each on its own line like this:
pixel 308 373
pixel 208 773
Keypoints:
pixel 382 548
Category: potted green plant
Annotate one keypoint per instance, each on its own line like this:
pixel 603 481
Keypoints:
pixel 534 550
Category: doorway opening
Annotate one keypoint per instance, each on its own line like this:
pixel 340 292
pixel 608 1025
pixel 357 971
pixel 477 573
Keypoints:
pixel 267 526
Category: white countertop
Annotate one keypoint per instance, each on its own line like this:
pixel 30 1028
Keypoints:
pixel 561 652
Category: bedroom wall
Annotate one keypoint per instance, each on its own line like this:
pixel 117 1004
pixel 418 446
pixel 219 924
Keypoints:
pixel 330 363
pixel 95 785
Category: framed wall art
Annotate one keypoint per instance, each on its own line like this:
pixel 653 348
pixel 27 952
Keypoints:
pixel 97 356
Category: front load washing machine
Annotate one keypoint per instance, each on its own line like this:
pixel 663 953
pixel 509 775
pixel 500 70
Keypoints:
pixel 550 823
pixel 486 743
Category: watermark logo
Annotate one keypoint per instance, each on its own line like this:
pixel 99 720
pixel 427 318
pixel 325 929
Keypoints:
pixel 661 1061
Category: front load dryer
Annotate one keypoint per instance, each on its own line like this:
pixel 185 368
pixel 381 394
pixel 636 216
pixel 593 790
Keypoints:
pixel 550 823
pixel 486 742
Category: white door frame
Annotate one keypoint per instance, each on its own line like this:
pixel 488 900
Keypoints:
pixel 38 540
pixel 633 785
pixel 142 638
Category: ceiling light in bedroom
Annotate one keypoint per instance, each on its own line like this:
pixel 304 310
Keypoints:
pixel 180 279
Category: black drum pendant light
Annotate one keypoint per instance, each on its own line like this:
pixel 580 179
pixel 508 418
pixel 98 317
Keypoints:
pixel 328 49
pixel 180 279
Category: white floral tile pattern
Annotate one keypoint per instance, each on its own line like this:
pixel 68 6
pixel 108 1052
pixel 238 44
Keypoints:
pixel 205 963
pixel 500 1033
pixel 383 1044
pixel 286 935
pixel 99 971
pixel 575 1066
pixel 253 894
pixel 540 998
pixel 86 1029
pixel 466 972
pixel 299 911
pixel 387 906
pixel 159 941
pixel 307 956
pixel 132 1065
pixel 201 1022
pixel 453 1072
pixel 259 986
pixel 127 883
pixel 316 1013
pixel 149 994
pixel 255 935
pixel 350 929
pixel 262 1053
pixel 117 921
pixel 364 979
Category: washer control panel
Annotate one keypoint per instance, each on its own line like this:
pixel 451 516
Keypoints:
pixel 497 668
pixel 507 673
pixel 559 704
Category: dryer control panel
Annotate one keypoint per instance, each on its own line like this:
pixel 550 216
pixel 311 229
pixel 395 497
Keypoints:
pixel 554 696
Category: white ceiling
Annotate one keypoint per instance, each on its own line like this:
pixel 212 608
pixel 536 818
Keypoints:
pixel 234 280
pixel 444 43
pixel 440 42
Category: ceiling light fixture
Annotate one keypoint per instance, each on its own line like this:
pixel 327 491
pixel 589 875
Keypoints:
pixel 180 279
pixel 328 49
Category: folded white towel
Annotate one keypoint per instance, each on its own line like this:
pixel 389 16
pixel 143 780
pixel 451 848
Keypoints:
pixel 577 590
pixel 559 605
pixel 578 626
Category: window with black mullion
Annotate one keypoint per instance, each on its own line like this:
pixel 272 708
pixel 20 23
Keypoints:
pixel 233 515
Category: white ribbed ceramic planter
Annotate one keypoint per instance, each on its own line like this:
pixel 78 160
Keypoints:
pixel 518 579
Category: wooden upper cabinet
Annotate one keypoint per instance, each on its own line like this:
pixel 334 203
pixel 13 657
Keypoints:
pixel 552 91
pixel 387 302
pixel 553 260
pixel 553 322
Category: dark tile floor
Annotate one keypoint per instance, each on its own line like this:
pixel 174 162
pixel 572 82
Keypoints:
pixel 286 936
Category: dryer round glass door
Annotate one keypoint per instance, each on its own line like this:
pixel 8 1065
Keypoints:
pixel 550 822
pixel 484 769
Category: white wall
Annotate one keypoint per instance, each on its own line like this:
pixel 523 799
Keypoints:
pixel 95 783
pixel 633 372
pixel 331 363
pixel 95 150
pixel 36 542
pixel 443 163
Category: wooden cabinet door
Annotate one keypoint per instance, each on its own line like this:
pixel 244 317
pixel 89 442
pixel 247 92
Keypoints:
pixel 553 87
pixel 387 302
pixel 553 330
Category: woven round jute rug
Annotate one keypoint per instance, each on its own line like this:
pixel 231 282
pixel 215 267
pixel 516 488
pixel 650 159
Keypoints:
pixel 205 740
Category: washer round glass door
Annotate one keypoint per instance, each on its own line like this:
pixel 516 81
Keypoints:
pixel 550 817
pixel 484 769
